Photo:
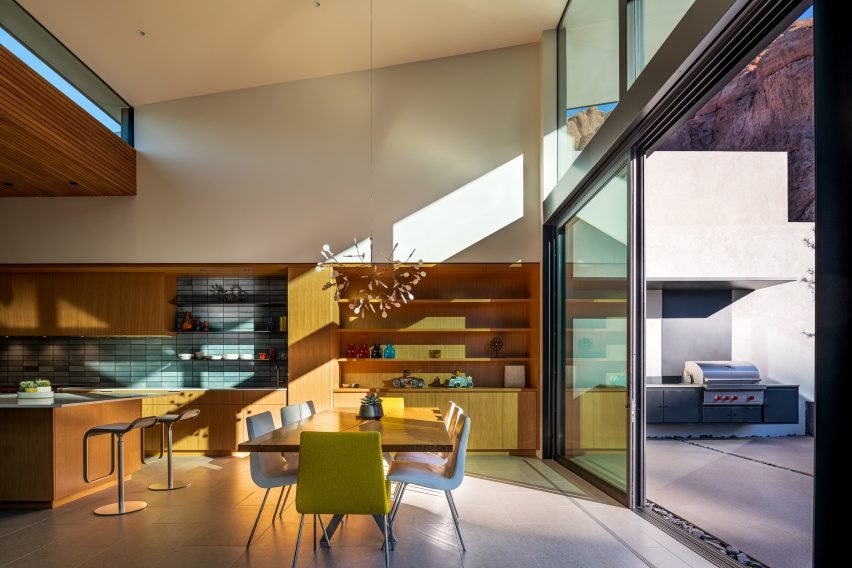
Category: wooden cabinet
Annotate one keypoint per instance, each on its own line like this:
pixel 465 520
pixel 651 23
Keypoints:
pixel 417 399
pixel 598 419
pixel 38 304
pixel 99 304
pixel 500 420
pixel 92 304
pixel 144 305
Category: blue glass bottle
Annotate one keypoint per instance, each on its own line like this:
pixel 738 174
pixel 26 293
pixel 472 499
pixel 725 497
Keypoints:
pixel 390 352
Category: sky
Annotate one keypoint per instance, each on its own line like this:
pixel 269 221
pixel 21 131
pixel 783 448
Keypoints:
pixel 56 80
pixel 809 13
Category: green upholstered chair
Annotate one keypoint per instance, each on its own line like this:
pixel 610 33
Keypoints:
pixel 341 473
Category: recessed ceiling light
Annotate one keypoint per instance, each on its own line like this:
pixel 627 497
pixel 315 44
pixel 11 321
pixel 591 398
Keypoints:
pixel 141 33
pixel 316 4
pixel 8 184
pixel 73 183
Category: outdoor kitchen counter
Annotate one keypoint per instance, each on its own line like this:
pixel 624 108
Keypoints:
pixel 43 446
pixel 674 385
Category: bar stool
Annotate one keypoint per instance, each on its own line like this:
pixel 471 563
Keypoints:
pixel 171 420
pixel 116 430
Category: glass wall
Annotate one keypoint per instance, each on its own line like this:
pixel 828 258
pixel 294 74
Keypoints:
pixel 590 72
pixel 595 284
pixel 649 24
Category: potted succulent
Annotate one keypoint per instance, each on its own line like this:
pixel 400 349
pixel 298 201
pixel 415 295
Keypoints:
pixel 27 386
pixel 43 385
pixel 371 407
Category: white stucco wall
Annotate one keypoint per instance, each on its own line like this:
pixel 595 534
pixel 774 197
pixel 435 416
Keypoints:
pixel 270 174
pixel 724 214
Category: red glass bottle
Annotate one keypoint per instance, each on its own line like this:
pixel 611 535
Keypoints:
pixel 364 352
pixel 351 351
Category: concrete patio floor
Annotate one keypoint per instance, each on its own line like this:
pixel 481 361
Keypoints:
pixel 755 493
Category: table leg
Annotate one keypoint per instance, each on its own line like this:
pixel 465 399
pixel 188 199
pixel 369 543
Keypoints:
pixel 335 521
pixel 330 529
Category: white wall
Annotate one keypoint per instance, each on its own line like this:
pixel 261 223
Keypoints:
pixel 270 174
pixel 724 214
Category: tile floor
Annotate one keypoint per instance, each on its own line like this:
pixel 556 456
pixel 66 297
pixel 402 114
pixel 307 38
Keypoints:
pixel 207 525
pixel 756 493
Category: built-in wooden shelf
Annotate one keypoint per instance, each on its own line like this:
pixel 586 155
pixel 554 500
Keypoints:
pixel 454 301
pixel 597 300
pixel 452 330
pixel 438 360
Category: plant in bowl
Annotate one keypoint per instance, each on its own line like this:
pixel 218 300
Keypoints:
pixel 371 407
pixel 27 386
pixel 42 385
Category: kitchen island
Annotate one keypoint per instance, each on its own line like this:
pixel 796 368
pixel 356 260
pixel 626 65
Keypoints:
pixel 41 445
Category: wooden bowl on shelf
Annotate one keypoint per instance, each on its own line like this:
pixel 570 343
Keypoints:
pixel 349 385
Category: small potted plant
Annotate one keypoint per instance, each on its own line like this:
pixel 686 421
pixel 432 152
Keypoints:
pixel 43 385
pixel 371 407
pixel 27 386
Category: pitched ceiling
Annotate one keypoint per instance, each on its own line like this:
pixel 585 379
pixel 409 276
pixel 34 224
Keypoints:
pixel 196 47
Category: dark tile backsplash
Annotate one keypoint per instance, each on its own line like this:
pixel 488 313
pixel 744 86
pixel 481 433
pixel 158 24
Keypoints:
pixel 151 362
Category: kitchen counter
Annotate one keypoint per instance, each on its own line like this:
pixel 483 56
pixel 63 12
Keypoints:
pixel 674 385
pixel 43 446
pixel 62 400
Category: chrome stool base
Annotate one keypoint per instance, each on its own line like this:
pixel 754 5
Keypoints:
pixel 161 486
pixel 113 509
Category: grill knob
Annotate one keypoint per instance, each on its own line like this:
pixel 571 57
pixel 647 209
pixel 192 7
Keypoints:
pixel 727 397
pixel 718 397
pixel 735 397
pixel 751 397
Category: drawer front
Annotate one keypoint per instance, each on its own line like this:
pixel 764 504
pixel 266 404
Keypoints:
pixel 716 414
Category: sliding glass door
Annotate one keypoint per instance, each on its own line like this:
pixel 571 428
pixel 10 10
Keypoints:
pixel 593 400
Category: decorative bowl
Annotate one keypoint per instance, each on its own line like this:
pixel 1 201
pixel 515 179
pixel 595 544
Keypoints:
pixel 349 385
pixel 214 357
pixel 246 356
pixel 200 354
pixel 231 356
pixel 184 356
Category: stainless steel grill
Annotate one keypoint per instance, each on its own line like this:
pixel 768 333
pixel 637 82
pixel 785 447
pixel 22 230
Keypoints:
pixel 726 382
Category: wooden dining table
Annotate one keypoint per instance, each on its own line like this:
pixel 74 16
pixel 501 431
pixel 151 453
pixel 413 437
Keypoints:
pixel 404 430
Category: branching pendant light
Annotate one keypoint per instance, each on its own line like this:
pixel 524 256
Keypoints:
pixel 381 287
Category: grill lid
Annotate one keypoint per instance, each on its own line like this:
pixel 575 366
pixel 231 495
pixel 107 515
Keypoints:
pixel 720 372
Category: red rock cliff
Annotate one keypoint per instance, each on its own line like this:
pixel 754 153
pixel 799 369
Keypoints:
pixel 768 106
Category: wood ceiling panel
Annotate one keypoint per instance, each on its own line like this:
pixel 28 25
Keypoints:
pixel 50 147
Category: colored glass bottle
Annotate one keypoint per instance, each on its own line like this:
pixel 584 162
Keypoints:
pixel 376 352
pixel 364 352
pixel 351 351
pixel 390 351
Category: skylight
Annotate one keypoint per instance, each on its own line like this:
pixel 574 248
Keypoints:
pixel 55 79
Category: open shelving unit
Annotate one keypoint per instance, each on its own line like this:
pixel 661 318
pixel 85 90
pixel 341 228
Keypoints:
pixel 458 309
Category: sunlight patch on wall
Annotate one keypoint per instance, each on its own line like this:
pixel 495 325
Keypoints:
pixel 464 217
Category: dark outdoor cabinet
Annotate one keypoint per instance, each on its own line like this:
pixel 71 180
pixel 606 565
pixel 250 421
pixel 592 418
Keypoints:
pixel 741 414
pixel 654 406
pixel 672 405
pixel 682 405
pixel 781 406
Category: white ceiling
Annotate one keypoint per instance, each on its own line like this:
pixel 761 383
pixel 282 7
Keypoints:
pixel 195 47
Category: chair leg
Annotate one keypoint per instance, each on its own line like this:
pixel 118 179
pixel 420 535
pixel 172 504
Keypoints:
pixel 398 504
pixel 324 533
pixel 454 512
pixel 315 533
pixel 298 541
pixel 387 547
pixel 277 504
pixel 284 504
pixel 262 503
